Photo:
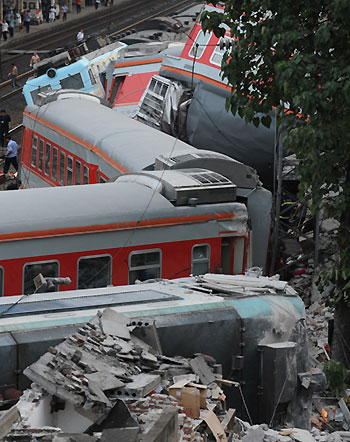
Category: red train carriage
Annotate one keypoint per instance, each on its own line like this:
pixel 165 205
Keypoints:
pixel 144 226
pixel 78 140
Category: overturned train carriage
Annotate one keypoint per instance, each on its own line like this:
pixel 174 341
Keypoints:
pixel 258 325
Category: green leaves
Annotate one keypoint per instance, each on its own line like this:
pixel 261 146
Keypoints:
pixel 298 53
pixel 266 121
pixel 322 38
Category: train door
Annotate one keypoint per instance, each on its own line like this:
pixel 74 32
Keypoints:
pixel 233 255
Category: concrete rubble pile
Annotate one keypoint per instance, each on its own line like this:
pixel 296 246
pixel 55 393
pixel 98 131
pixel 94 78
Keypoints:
pixel 317 318
pixel 303 271
pixel 110 382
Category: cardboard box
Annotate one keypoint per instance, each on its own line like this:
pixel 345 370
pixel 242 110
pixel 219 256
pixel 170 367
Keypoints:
pixel 190 401
pixel 202 393
pixel 192 397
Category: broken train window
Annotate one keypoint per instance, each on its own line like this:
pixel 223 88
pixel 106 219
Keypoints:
pixel 200 259
pixel 30 271
pixel 144 265
pixel 201 40
pixel 94 271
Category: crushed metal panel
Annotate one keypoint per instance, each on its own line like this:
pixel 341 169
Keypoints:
pixel 278 378
pixel 8 352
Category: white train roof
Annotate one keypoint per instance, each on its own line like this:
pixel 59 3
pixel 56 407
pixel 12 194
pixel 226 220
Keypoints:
pixel 127 141
pixel 89 205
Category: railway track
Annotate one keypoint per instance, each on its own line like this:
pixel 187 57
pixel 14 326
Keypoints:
pixel 122 15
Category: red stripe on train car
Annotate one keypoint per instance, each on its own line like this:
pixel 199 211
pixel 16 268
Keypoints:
pixel 199 76
pixel 67 231
pixel 138 62
pixel 78 140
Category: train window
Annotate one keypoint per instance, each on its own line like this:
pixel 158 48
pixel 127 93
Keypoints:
pixel 92 77
pixel 238 257
pixel 218 53
pixel 30 271
pixel 77 172
pixel 54 163
pixel 72 82
pixel 200 259
pixel 1 281
pixel 144 265
pixel 86 175
pixel 199 44
pixel 94 271
pixel 34 150
pixel 34 94
pixel 69 171
pixel 62 167
pixel 47 159
pixel 41 155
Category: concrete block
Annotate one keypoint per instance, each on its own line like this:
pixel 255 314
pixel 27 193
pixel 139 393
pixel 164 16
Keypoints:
pixel 165 429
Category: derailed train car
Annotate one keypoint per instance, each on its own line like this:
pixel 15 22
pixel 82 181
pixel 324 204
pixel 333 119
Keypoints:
pixel 164 225
pixel 73 138
pixel 258 325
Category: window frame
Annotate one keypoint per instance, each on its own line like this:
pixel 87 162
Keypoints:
pixel 57 163
pixel 140 252
pixel 75 172
pixel 72 77
pixel 50 261
pixel 70 170
pixel 218 50
pixel 49 171
pixel 92 77
pixel 197 57
pixel 202 259
pixel 34 137
pixel 41 143
pixel 86 169
pixel 62 154
pixel 92 257
pixel 2 285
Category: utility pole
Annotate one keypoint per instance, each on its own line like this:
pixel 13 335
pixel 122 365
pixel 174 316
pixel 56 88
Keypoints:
pixel 1 9
pixel 278 156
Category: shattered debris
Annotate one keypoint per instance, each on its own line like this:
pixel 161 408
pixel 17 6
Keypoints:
pixel 105 384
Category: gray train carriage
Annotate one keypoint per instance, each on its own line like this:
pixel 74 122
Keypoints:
pixel 73 139
pixel 167 226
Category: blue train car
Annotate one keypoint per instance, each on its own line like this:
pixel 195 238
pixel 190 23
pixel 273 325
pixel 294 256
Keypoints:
pixel 64 71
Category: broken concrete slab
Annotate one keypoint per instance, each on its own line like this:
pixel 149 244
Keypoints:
pixel 106 380
pixel 95 389
pixel 74 437
pixel 120 434
pixel 165 428
pixel 298 435
pixel 149 335
pixel 113 323
pixel 201 368
pixel 254 435
pixel 7 419
pixel 141 385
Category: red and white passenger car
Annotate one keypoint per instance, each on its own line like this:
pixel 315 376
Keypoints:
pixel 151 225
